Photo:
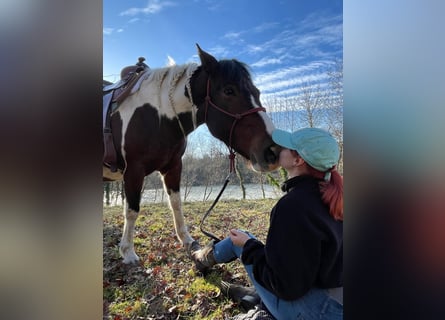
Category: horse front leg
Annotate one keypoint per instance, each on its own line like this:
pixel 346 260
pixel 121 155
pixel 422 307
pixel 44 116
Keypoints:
pixel 133 182
pixel 171 181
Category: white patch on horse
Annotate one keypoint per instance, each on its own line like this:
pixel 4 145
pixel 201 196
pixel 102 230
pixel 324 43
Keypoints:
pixel 161 88
pixel 267 122
pixel 180 227
pixel 252 100
pixel 126 247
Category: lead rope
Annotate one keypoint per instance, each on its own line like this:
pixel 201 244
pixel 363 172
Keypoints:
pixel 209 234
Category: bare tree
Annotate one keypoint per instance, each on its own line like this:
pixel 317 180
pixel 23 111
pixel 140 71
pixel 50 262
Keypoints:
pixel 113 192
pixel 284 111
pixel 311 101
pixel 188 175
pixel 215 169
pixel 335 106
pixel 107 189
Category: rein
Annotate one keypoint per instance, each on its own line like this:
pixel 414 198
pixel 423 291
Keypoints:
pixel 236 116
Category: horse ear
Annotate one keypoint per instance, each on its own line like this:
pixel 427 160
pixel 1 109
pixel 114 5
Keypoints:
pixel 208 62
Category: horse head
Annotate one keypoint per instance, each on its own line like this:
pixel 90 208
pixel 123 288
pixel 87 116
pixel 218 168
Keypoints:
pixel 230 106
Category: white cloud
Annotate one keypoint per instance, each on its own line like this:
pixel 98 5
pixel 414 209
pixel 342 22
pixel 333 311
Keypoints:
pixel 266 61
pixel 218 52
pixel 265 26
pixel 317 20
pixel 290 72
pixel 152 7
pixel 290 81
pixel 232 35
pixel 289 84
pixel 255 49
pixel 318 36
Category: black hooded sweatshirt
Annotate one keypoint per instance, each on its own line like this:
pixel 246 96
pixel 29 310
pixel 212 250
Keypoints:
pixel 304 245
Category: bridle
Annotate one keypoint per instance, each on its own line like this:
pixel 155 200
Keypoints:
pixel 236 117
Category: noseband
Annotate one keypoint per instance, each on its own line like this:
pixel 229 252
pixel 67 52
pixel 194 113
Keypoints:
pixel 236 117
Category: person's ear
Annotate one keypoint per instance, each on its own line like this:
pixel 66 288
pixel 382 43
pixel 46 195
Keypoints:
pixel 299 161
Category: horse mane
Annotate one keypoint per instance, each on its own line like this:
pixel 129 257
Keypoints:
pixel 174 72
pixel 165 82
pixel 235 71
pixel 168 84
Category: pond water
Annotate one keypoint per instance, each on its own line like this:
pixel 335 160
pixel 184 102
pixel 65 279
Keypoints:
pixel 202 193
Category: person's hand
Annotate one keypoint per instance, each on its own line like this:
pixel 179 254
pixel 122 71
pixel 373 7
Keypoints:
pixel 238 238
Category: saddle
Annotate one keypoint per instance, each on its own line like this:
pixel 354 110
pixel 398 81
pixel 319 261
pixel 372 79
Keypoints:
pixel 113 95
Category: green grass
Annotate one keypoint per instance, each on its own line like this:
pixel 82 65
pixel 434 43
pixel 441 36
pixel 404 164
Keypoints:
pixel 165 284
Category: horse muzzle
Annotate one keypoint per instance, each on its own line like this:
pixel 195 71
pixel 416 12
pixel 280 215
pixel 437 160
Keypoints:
pixel 267 160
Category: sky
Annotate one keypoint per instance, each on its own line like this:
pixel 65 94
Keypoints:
pixel 285 43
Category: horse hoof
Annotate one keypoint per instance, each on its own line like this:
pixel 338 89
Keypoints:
pixel 131 259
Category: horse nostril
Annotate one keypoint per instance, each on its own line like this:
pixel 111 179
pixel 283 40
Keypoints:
pixel 270 155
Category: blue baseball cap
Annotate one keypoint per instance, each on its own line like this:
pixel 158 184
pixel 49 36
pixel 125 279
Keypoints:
pixel 316 146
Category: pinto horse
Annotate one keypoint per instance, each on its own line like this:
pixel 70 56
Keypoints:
pixel 151 125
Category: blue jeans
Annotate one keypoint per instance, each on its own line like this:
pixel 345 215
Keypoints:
pixel 316 304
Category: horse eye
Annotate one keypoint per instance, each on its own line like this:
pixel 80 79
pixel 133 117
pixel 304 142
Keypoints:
pixel 229 91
